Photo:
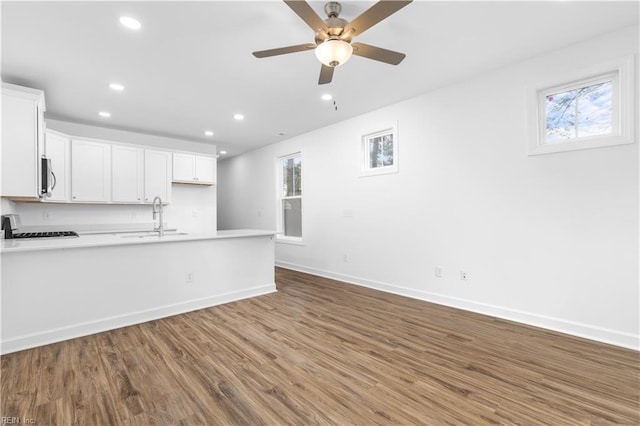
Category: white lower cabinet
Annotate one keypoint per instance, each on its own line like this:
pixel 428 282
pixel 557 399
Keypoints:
pixel 57 147
pixel 127 174
pixel 90 171
pixel 157 175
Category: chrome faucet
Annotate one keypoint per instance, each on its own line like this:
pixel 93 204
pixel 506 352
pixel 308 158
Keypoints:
pixel 157 211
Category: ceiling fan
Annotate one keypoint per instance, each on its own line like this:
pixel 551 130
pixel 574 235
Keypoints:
pixel 333 44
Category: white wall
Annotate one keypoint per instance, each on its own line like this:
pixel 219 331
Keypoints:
pixel 192 208
pixel 549 240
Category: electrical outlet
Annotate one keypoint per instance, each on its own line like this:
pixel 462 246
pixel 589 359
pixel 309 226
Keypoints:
pixel 439 271
pixel 46 216
pixel 189 278
pixel 463 275
pixel 345 258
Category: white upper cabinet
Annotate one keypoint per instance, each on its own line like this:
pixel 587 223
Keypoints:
pixel 127 174
pixel 157 175
pixel 22 140
pixel 197 169
pixel 58 149
pixel 90 171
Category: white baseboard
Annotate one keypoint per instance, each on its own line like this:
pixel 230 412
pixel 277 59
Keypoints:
pixel 92 327
pixel 613 337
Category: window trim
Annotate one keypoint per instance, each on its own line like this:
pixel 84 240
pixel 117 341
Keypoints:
pixel 280 237
pixel 623 122
pixel 365 170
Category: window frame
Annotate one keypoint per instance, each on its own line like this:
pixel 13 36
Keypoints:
pixel 280 197
pixel 620 72
pixel 365 169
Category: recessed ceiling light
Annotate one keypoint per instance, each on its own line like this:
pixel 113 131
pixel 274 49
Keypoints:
pixel 326 97
pixel 117 87
pixel 129 22
pixel 223 152
pixel 208 133
pixel 238 116
pixel 104 114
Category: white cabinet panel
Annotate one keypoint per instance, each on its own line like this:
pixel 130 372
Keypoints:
pixel 157 175
pixel 22 139
pixel 127 165
pixel 57 148
pixel 205 169
pixel 90 171
pixel 183 167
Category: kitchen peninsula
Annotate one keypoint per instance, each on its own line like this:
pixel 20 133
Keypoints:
pixel 53 290
pixel 85 179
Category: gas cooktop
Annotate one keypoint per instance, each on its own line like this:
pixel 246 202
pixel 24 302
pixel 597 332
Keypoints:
pixel 47 234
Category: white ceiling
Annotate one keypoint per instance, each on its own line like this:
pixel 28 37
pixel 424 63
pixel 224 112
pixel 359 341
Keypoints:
pixel 190 67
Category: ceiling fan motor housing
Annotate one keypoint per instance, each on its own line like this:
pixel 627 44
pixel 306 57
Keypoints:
pixel 334 24
pixel 336 27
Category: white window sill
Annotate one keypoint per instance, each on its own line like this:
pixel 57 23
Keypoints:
pixel 596 142
pixel 379 171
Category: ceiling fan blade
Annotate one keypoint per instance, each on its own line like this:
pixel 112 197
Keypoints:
pixel 377 53
pixel 326 74
pixel 308 15
pixel 284 50
pixel 372 16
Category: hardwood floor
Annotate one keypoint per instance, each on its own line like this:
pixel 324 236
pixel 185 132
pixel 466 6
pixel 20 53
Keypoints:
pixel 322 352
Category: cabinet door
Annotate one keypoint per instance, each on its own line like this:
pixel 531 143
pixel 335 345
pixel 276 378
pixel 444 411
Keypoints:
pixel 205 169
pixel 90 171
pixel 127 165
pixel 20 132
pixel 57 149
pixel 183 167
pixel 157 175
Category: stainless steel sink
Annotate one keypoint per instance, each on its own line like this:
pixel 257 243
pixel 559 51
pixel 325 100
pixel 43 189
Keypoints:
pixel 150 234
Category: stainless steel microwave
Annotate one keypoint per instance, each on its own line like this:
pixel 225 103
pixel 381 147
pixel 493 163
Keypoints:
pixel 48 178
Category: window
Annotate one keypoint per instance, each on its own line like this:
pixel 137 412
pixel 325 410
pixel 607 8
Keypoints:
pixel 379 152
pixel 588 112
pixel 290 197
pixel 580 112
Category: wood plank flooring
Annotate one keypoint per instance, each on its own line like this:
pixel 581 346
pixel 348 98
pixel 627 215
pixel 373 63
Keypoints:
pixel 323 352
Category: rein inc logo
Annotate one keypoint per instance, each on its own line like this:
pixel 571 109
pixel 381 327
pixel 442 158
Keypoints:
pixel 17 420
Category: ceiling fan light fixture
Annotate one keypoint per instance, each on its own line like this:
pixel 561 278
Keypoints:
pixel 334 52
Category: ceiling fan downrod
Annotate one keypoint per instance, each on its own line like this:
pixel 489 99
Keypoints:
pixel 333 9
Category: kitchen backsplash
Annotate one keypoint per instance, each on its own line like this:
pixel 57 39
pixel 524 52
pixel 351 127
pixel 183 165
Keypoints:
pixel 192 209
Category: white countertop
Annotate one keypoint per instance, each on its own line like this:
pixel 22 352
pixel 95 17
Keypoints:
pixel 117 239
